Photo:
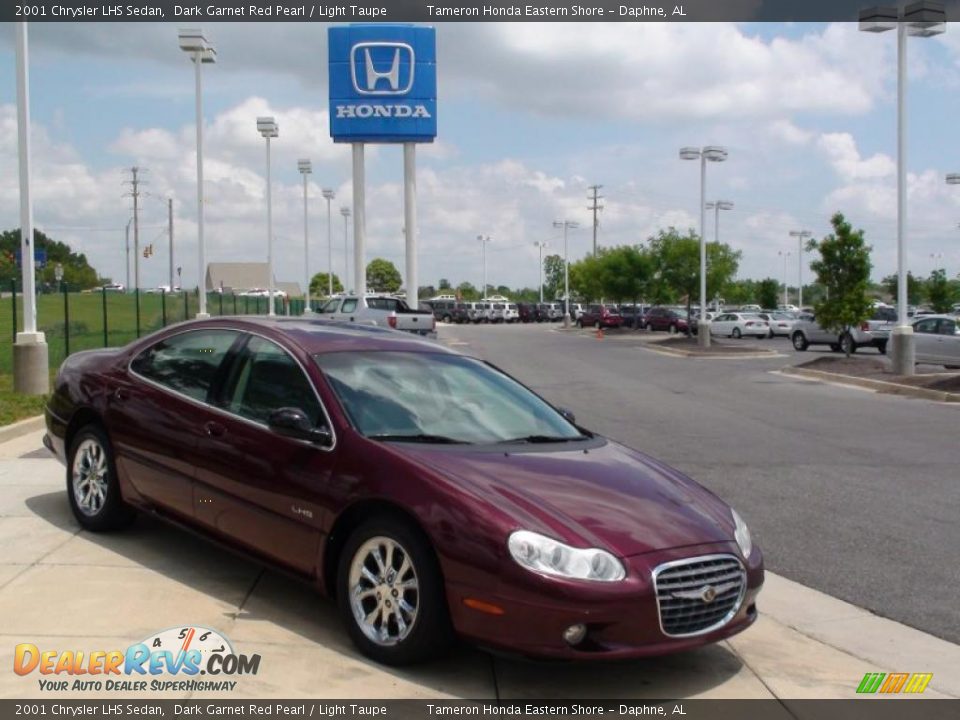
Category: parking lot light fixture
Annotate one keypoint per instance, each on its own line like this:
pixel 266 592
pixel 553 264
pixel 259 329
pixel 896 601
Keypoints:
pixel 566 225
pixel 800 235
pixel 953 179
pixel 786 256
pixel 483 253
pixel 920 19
pixel 329 195
pixel 305 168
pixel 709 153
pixel 541 244
pixel 194 42
pixel 269 129
pixel 345 211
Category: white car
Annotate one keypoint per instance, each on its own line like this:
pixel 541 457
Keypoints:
pixel 511 313
pixel 738 324
pixel 750 308
pixel 788 308
pixel 779 322
pixel 261 292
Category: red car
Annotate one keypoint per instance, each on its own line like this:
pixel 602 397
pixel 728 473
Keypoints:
pixel 672 321
pixel 429 492
pixel 600 316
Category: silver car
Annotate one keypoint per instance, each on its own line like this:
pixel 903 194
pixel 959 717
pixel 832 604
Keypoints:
pixel 807 332
pixel 937 340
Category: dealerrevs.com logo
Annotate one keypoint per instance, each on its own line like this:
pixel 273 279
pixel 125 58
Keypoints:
pixel 170 660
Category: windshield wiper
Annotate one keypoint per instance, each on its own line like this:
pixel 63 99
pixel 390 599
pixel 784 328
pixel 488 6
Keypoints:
pixel 420 438
pixel 543 439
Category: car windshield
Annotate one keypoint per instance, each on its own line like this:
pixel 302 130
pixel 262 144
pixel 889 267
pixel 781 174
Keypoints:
pixel 424 396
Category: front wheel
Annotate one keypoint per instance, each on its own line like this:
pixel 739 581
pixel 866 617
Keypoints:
pixel 882 347
pixel 390 593
pixel 92 486
pixel 799 342
pixel 847 345
pixel 737 334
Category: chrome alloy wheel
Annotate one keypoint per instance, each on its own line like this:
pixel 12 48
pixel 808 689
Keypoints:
pixel 384 591
pixel 89 475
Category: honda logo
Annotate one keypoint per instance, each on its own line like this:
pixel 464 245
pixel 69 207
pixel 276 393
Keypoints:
pixel 381 68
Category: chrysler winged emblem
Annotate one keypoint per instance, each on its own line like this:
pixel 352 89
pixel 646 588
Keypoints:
pixel 707 593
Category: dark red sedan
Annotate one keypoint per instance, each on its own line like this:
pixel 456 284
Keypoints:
pixel 429 492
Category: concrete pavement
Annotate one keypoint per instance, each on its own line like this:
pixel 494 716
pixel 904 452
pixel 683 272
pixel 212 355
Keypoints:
pixel 63 588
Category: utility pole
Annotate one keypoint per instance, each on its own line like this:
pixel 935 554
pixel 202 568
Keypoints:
pixel 483 252
pixel 596 207
pixel 127 235
pixel 170 231
pixel 135 184
pixel 540 244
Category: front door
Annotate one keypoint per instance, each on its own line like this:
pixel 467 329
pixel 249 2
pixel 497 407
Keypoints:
pixel 260 489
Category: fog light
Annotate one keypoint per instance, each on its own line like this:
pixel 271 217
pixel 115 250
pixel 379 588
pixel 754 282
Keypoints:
pixel 575 634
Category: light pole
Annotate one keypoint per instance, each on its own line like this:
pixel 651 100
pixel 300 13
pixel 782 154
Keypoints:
pixel 953 179
pixel 268 128
pixel 786 256
pixel 305 168
pixel 566 225
pixel 800 235
pixel 201 51
pixel 483 252
pixel 711 153
pixel 345 211
pixel 541 244
pixel 127 236
pixel 937 259
pixel 921 19
pixel 328 196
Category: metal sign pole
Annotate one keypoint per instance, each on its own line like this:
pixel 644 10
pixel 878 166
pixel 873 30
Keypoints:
pixel 359 221
pixel 410 221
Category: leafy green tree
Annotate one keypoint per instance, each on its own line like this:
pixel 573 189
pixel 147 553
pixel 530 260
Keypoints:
pixel 426 291
pixel 843 269
pixel 319 284
pixel 383 276
pixel 468 292
pixel 585 277
pixel 768 291
pixel 552 276
pixel 77 272
pixel 741 292
pixel 915 287
pixel 445 284
pixel 940 293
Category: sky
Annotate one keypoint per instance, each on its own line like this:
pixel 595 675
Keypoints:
pixel 530 115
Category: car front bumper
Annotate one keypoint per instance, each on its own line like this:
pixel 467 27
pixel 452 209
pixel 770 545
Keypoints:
pixel 622 618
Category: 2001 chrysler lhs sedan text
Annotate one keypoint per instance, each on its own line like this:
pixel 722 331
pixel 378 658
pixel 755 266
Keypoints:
pixel 429 492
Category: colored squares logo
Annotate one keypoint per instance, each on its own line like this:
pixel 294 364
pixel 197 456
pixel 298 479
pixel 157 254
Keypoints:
pixel 894 683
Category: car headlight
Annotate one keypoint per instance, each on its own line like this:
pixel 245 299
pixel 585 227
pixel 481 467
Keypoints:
pixel 741 534
pixel 545 555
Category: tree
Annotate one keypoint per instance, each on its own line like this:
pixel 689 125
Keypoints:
pixel 426 291
pixel 76 270
pixel 445 284
pixel 383 276
pixel 319 284
pixel 940 293
pixel 468 292
pixel 585 277
pixel 843 268
pixel 553 276
pixel 768 291
pixel 741 292
pixel 915 287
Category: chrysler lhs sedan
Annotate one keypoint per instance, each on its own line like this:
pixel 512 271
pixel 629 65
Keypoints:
pixel 429 493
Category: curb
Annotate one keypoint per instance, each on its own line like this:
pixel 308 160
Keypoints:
pixel 675 352
pixel 877 385
pixel 21 428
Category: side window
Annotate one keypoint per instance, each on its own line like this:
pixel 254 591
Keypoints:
pixel 187 362
pixel 349 305
pixel 267 378
pixel 331 306
pixel 376 303
pixel 926 326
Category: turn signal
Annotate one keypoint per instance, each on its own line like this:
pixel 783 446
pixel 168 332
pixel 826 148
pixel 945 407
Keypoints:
pixel 484 607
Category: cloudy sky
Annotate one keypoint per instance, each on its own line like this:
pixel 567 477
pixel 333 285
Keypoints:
pixel 530 116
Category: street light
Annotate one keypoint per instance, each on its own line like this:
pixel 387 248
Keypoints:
pixel 541 244
pixel 800 235
pixel 201 51
pixel 786 256
pixel 328 196
pixel 268 128
pixel 305 168
pixel 711 153
pixel 920 19
pixel 566 225
pixel 345 211
pixel 483 251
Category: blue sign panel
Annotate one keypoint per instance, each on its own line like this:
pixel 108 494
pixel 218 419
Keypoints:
pixel 383 83
pixel 39 258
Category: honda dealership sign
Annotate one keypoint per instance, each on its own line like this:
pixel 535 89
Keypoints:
pixel 383 83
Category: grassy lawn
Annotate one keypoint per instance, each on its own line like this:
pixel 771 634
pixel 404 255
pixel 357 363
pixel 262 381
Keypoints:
pixel 15 407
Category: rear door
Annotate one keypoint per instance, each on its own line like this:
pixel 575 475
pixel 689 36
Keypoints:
pixel 926 341
pixel 261 490
pixel 949 341
pixel 157 416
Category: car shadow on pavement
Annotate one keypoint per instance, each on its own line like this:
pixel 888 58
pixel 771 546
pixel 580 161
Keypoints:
pixel 278 614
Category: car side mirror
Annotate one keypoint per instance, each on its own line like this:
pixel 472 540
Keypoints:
pixel 568 415
pixel 294 423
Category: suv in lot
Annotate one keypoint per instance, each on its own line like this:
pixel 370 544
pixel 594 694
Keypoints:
pixel 807 332
pixel 600 316
pixel 443 310
pixel 661 318
pixel 511 313
pixel 632 315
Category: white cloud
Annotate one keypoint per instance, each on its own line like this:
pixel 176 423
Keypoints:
pixel 841 150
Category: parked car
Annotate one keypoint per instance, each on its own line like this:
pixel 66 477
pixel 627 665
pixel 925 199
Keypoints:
pixel 443 310
pixel 779 322
pixel 495 312
pixel 632 315
pixel 511 313
pixel 600 316
pixel 788 308
pixel 427 491
pixel 936 339
pixel 461 313
pixel 527 312
pixel 661 318
pixel 110 287
pixel 738 324
pixel 381 310
pixel 806 332
pixel 576 310
pixel 750 308
pixel 553 311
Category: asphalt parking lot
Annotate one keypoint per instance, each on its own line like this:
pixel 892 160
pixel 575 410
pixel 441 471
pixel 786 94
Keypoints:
pixel 801 461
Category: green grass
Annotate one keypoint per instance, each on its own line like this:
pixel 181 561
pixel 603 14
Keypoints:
pixel 15 407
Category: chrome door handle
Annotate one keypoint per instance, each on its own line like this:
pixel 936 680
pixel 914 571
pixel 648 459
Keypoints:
pixel 214 429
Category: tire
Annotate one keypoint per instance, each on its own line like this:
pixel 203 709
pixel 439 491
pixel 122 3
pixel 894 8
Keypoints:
pixel 834 347
pixel 761 337
pixel 446 319
pixel 737 334
pixel 579 323
pixel 882 347
pixel 799 341
pixel 92 487
pixel 673 330
pixel 847 345
pixel 427 632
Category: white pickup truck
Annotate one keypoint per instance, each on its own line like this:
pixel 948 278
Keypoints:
pixel 380 310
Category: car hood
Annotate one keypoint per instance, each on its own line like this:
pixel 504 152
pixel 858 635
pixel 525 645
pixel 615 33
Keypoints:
pixel 607 496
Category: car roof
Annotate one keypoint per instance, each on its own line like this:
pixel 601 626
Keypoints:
pixel 322 336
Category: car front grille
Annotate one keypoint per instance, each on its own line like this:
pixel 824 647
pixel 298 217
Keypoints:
pixel 698 595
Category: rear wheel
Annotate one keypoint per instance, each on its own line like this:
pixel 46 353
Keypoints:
pixel 737 334
pixel 390 593
pixel 92 486
pixel 847 345
pixel 799 342
pixel 446 319
pixel 882 347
